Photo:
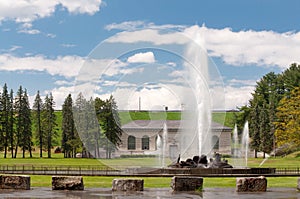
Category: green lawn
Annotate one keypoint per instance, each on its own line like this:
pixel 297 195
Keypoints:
pixel 226 118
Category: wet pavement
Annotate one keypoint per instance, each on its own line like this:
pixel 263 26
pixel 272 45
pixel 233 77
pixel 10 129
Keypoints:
pixel 153 193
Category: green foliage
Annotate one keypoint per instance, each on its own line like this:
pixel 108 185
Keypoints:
pixel 70 139
pixel 288 119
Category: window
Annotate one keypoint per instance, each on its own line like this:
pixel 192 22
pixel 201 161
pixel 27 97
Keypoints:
pixel 145 142
pixel 131 143
pixel 215 142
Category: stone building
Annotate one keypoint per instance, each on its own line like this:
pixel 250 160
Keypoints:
pixel 140 137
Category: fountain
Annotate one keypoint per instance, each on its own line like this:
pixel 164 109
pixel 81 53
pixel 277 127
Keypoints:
pixel 164 144
pixel 245 145
pixel 236 148
pixel 159 150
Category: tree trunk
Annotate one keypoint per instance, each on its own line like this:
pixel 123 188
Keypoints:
pixel 23 152
pixel 41 147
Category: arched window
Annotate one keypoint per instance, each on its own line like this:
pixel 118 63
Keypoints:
pixel 145 142
pixel 215 142
pixel 131 143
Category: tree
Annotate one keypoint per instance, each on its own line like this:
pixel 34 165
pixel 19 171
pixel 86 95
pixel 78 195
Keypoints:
pixel 291 78
pixel 19 118
pixel 27 133
pixel 11 122
pixel 110 123
pixel 263 105
pixel 49 125
pixel 37 120
pixel 287 124
pixel 5 114
pixel 70 139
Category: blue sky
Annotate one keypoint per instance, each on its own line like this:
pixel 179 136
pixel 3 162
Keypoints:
pixel 44 44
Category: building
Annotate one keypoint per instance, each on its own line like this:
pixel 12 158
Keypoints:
pixel 140 137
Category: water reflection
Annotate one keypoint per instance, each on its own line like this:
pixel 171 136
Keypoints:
pixel 164 193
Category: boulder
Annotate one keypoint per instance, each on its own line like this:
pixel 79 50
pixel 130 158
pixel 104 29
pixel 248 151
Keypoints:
pixel 187 183
pixel 14 182
pixel 253 184
pixel 67 183
pixel 128 185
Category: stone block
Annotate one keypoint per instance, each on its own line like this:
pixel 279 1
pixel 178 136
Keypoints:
pixel 253 184
pixel 14 182
pixel 67 183
pixel 128 185
pixel 187 183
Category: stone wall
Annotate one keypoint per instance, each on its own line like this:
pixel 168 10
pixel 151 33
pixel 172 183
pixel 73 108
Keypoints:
pixel 14 182
pixel 254 184
pixel 128 185
pixel 67 183
pixel 187 183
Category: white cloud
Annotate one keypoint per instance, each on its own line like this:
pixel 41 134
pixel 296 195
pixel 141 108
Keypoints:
pixel 245 47
pixel 149 35
pixel 68 45
pixel 30 10
pixel 237 96
pixel 147 57
pixel 247 82
pixel 134 25
pixel 30 31
pixel 126 25
pixel 67 66
pixel 63 82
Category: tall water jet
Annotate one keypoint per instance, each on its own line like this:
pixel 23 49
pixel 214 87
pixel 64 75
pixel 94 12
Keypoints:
pixel 164 144
pixel 245 144
pixel 236 148
pixel 159 150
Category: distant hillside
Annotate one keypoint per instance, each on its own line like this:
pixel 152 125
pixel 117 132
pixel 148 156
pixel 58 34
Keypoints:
pixel 220 117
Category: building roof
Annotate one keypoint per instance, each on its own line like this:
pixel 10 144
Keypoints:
pixel 171 124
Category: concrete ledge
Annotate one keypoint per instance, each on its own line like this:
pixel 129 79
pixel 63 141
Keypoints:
pixel 254 184
pixel 187 183
pixel 128 185
pixel 14 182
pixel 67 183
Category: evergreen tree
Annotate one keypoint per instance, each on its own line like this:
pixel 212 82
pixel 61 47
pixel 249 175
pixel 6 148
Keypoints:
pixel 5 104
pixel 49 125
pixel 19 119
pixel 26 143
pixel 11 122
pixel 70 139
pixel 37 121
pixel 110 123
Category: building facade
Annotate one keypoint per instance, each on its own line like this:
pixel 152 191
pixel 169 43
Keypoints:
pixel 144 136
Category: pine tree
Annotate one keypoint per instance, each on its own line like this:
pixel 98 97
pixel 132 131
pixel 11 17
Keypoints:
pixel 37 120
pixel 5 104
pixel 110 123
pixel 19 119
pixel 11 122
pixel 70 138
pixel 49 125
